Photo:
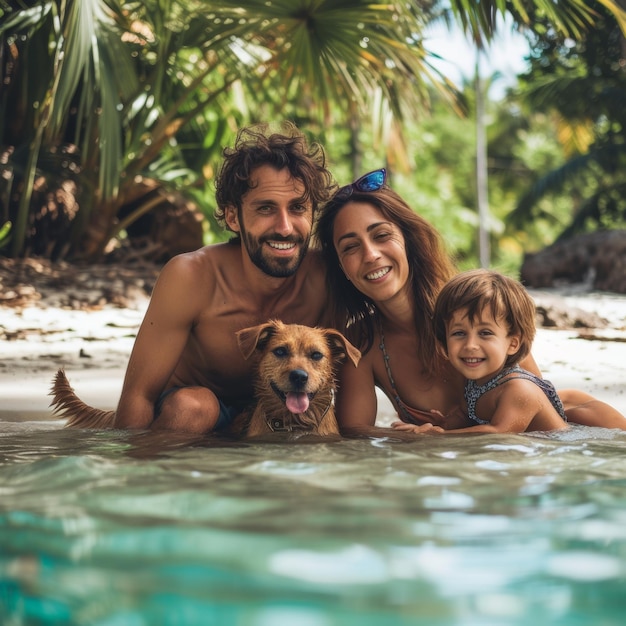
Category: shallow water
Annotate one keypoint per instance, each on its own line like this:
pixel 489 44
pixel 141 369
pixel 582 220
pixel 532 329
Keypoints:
pixel 132 529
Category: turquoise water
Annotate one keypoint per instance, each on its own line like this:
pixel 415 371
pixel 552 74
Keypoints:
pixel 122 529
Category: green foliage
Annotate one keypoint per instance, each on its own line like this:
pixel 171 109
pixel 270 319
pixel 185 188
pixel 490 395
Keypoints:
pixel 5 229
pixel 441 185
pixel 106 101
pixel 570 18
pixel 582 86
pixel 135 89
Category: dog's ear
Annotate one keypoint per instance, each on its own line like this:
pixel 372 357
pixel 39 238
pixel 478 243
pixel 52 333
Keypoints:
pixel 249 339
pixel 341 347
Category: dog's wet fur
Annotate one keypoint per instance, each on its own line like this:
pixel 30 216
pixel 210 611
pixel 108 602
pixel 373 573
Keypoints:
pixel 295 368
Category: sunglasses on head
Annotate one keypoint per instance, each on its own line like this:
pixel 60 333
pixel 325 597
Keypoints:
pixel 372 181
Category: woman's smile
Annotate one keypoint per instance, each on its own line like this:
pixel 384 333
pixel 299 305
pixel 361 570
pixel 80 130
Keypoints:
pixel 375 275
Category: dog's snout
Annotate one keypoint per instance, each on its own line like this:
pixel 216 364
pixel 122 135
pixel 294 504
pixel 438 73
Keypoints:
pixel 298 378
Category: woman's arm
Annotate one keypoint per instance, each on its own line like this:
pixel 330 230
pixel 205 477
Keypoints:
pixel 356 403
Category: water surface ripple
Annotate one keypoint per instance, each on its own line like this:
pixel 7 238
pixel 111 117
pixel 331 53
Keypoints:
pixel 141 529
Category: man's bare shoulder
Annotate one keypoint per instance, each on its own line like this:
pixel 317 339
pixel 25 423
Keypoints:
pixel 315 258
pixel 197 277
pixel 313 266
pixel 197 262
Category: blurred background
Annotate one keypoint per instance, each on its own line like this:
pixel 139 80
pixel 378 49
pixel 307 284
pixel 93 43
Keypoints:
pixel 502 122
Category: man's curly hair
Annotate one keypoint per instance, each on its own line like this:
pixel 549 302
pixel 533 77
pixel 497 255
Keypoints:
pixel 256 146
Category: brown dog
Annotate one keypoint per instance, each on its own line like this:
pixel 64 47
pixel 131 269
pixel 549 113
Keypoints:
pixel 294 378
pixel 294 387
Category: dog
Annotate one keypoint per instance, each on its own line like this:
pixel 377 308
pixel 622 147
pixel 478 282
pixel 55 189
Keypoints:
pixel 294 378
pixel 294 382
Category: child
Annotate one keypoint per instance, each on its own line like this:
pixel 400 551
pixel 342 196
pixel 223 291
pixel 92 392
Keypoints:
pixel 485 324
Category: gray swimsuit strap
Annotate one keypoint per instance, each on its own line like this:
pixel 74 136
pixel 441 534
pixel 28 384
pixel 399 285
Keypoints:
pixel 473 391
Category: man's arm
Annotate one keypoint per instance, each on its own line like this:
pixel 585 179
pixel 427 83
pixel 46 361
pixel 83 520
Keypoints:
pixel 159 344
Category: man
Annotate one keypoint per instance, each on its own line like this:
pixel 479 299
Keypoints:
pixel 185 371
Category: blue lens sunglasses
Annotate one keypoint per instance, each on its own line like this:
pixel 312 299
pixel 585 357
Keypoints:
pixel 372 181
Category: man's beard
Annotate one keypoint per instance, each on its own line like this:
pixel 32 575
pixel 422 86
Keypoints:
pixel 272 266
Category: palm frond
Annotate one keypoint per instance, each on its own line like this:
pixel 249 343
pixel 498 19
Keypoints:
pixel 480 20
pixel 606 157
pixel 603 208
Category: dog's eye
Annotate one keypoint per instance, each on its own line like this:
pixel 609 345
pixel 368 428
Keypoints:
pixel 317 356
pixel 281 352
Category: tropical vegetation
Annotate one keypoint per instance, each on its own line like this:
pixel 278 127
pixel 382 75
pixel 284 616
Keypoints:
pixel 114 112
pixel 580 85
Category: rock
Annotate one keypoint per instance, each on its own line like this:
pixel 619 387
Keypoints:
pixel 557 317
pixel 597 258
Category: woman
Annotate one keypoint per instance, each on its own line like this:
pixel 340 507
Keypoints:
pixel 386 266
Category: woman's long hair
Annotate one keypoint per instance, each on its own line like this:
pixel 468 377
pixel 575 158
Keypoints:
pixel 430 267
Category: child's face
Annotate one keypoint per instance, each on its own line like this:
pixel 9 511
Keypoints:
pixel 479 348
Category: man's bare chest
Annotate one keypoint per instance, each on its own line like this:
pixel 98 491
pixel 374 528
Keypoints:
pixel 212 343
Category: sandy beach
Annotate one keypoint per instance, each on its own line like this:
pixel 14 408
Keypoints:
pixel 93 347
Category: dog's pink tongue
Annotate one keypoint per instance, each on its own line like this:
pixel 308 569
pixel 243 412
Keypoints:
pixel 297 402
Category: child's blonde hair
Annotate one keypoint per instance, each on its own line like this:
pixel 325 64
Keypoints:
pixel 475 290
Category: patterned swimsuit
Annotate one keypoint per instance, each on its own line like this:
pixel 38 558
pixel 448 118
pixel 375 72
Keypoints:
pixel 473 391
